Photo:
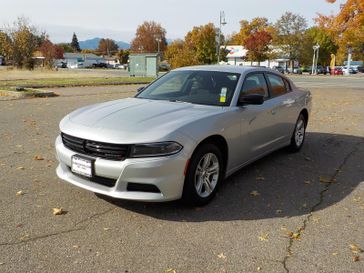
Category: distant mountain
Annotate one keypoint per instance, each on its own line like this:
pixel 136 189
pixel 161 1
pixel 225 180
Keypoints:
pixel 94 43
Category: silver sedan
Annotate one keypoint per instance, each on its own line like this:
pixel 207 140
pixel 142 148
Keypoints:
pixel 182 135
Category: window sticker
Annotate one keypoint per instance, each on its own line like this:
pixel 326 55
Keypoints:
pixel 223 94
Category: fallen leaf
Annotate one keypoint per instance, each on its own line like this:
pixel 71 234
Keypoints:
pixel 2 263
pixel 221 256
pixel 20 168
pixel 326 180
pixel 334 253
pixel 260 178
pixel 308 158
pixel 58 211
pixel 38 157
pixel 24 238
pixel 259 268
pixel 254 193
pixel 76 246
pixel 19 146
pixel 19 193
pixel 307 182
pixel 295 236
pixel 356 258
pixel 171 270
pixel 106 228
pixel 355 249
pixel 263 237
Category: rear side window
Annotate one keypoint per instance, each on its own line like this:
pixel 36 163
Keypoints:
pixel 255 84
pixel 277 84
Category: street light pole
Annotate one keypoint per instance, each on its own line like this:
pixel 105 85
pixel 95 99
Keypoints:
pixel 222 22
pixel 316 49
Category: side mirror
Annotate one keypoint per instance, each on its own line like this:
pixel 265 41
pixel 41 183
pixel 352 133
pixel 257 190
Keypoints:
pixel 255 99
pixel 140 89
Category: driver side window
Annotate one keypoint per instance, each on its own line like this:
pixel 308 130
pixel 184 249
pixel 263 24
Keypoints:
pixel 255 84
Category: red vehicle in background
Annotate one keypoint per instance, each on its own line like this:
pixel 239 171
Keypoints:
pixel 337 71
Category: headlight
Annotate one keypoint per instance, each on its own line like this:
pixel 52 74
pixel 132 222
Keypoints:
pixel 155 149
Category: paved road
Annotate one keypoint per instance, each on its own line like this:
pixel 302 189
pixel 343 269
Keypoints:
pixel 296 224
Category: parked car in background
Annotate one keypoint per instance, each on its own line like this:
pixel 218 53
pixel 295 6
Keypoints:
pixel 296 70
pixel 163 66
pixel 361 69
pixel 280 69
pixel 182 135
pixel 337 71
pixel 99 65
pixel 61 65
pixel 348 71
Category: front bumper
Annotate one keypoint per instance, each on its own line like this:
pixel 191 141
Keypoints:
pixel 165 173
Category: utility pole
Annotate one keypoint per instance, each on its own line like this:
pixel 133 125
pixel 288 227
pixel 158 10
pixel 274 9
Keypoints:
pixel 316 49
pixel 222 22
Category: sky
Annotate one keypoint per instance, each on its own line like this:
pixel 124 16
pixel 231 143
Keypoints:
pixel 118 19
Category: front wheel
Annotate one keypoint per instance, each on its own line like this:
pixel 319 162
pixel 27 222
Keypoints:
pixel 203 176
pixel 298 137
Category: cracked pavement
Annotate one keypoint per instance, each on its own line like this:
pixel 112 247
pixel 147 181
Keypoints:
pixel 296 224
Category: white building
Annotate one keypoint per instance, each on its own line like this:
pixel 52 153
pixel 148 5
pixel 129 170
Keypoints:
pixel 237 54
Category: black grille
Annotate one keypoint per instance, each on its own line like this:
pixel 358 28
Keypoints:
pixel 142 187
pixel 94 148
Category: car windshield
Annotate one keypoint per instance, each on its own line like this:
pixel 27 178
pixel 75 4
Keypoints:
pixel 197 87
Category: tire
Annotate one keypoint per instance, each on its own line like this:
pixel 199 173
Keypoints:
pixel 299 134
pixel 200 185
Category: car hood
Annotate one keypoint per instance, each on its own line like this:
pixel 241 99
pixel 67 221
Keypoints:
pixel 133 120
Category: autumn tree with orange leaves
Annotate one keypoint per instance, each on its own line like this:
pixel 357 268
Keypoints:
pixel 346 28
pixel 147 37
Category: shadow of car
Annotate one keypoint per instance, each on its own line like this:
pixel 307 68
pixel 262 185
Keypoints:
pixel 282 187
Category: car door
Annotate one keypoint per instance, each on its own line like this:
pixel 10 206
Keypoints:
pixel 284 114
pixel 256 120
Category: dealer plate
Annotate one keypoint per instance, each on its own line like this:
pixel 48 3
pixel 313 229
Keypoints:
pixel 82 165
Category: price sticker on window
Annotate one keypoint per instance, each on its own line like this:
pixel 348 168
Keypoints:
pixel 223 94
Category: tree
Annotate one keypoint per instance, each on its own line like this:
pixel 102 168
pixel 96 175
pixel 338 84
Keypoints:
pixel 178 54
pixel 124 56
pixel 67 48
pixel 289 34
pixel 5 46
pixel 74 44
pixel 25 39
pixel 346 28
pixel 257 45
pixel 312 36
pixel 107 47
pixel 202 41
pixel 248 28
pixel 147 38
pixel 50 52
pixel 256 36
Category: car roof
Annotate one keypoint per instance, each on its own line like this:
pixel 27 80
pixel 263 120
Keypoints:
pixel 225 68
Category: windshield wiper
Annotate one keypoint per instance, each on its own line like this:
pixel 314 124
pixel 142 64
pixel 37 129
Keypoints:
pixel 180 101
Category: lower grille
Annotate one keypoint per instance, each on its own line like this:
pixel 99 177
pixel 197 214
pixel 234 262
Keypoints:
pixel 109 151
pixel 139 187
pixel 108 182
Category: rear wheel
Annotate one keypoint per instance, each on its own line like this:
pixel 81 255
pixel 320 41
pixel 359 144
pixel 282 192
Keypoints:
pixel 298 137
pixel 203 175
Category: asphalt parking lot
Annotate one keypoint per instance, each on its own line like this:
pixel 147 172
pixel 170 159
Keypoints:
pixel 307 213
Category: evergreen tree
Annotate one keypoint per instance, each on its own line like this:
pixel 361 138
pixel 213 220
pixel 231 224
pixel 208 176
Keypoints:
pixel 74 44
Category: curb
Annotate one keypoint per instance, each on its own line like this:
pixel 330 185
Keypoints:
pixel 34 93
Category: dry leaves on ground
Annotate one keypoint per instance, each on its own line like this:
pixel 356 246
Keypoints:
pixel 19 193
pixel 221 256
pixel 326 180
pixel 254 193
pixel 263 237
pixel 38 157
pixel 59 211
